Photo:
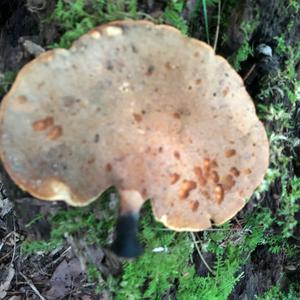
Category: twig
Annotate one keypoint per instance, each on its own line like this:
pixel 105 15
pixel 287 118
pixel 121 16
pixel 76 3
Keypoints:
pixel 249 72
pixel 15 242
pixel 200 254
pixel 238 222
pixel 29 282
pixel 61 256
pixel 218 26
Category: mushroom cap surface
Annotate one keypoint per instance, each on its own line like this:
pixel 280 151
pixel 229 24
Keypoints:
pixel 140 107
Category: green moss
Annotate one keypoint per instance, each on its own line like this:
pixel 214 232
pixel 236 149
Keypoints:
pixel 153 274
pixel 283 89
pixel 231 249
pixel 5 81
pixel 77 17
pixel 276 293
pixel 173 15
pixel 246 48
pixel 96 222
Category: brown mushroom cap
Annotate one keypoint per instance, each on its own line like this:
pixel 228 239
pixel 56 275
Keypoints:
pixel 140 107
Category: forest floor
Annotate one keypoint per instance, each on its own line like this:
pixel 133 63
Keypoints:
pixel 52 251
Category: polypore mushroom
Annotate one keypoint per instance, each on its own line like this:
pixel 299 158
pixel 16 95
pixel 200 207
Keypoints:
pixel 143 108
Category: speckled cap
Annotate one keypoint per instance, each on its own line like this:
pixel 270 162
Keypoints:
pixel 141 107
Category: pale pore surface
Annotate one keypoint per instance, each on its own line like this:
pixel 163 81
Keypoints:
pixel 140 107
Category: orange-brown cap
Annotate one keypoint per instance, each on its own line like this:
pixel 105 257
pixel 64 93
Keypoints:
pixel 140 107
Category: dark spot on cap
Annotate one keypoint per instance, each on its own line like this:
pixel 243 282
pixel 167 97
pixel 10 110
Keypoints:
pixel 109 66
pixel 148 149
pixel 247 171
pixel 234 172
pixel 214 177
pixel 96 138
pixel 124 27
pixel 40 85
pixel 91 159
pixel 160 149
pixel 150 70
pixel 174 178
pixel 194 206
pixel 186 187
pixel 55 133
pixel 22 99
pixel 214 94
pixel 134 49
pixel 228 182
pixel 138 118
pixel 229 153
pixel 143 112
pixel 144 193
pixel 176 115
pixel 198 81
pixel 43 124
pixel 225 91
pixel 108 167
pixel 70 101
pixel 190 87
pixel 168 65
pixel 206 194
pixel 213 164
pixel 199 174
pixel 196 54
pixel 177 155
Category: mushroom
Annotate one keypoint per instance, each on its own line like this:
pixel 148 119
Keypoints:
pixel 143 108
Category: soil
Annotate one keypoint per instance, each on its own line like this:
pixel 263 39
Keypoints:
pixel 60 274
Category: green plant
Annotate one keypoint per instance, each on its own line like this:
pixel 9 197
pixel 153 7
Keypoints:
pixel 245 49
pixel 5 81
pixel 77 17
pixel 173 15
pixel 153 274
pixel 96 221
pixel 276 293
pixel 283 90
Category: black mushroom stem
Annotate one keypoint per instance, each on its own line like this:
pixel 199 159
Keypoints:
pixel 126 243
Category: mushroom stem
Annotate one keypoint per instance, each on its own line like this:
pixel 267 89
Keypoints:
pixel 126 242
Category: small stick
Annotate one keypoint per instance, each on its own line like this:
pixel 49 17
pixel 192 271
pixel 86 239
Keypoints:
pixel 218 26
pixel 29 282
pixel 54 261
pixel 200 254
pixel 15 242
pixel 249 72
